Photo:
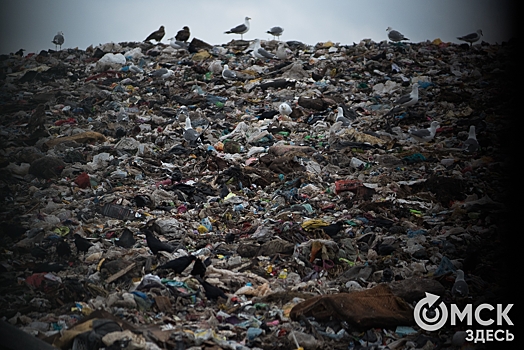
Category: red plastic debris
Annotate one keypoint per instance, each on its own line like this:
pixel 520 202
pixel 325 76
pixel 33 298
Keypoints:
pixel 346 185
pixel 82 180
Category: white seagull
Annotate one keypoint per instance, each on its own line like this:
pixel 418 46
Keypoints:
pixel 471 38
pixel 177 44
pixel 259 52
pixel 228 74
pixel 340 117
pixel 471 144
pixel 408 99
pixel 284 109
pixel 425 135
pixel 58 40
pixel 276 31
pixel 281 51
pixel 460 288
pixel 162 73
pixel 395 35
pixel 240 29
pixel 190 134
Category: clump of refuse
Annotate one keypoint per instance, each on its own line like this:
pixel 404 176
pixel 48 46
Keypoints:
pixel 154 201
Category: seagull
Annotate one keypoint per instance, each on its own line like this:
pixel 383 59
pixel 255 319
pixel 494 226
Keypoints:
pixel 135 69
pixel 471 38
pixel 240 29
pixel 162 73
pixel 408 99
pixel 177 44
pixel 284 109
pixel 275 31
pixel 471 144
pixel 394 35
pixel 281 51
pixel 460 288
pixel 183 34
pixel 425 135
pixel 259 52
pixel 340 117
pixel 228 74
pixel 190 134
pixel 58 40
pixel 156 35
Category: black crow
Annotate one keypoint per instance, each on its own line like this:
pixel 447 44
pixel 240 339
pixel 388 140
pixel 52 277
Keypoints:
pixel 333 229
pixel 199 268
pixel 126 239
pixel 155 244
pixel 63 248
pixel 210 290
pixel 179 264
pixel 82 244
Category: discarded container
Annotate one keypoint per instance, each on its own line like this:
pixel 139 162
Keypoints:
pixel 119 212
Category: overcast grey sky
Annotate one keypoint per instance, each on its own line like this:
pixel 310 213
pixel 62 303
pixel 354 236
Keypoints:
pixel 32 24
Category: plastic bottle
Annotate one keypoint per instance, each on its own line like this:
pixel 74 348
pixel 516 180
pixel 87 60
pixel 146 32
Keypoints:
pixel 357 163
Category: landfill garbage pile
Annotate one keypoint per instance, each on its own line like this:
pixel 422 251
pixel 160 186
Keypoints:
pixel 155 198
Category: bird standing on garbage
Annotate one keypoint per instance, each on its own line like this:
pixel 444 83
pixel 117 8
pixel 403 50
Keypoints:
pixel 240 29
pixel 460 287
pixel 276 32
pixel 228 74
pixel 199 268
pixel 81 243
pixel 425 135
pixel 126 239
pixel 157 35
pixel 340 117
pixel 155 244
pixel 408 99
pixel 58 40
pixel 333 229
pixel 63 248
pixel 281 51
pixel 471 145
pixel 395 35
pixel 190 134
pixel 471 38
pixel 285 109
pixel 177 44
pixel 259 52
pixel 212 292
pixel 183 34
pixel 162 73
pixel 179 264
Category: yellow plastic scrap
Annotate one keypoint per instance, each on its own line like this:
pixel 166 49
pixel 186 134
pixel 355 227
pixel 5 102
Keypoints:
pixel 99 266
pixel 229 196
pixel 328 44
pixel 313 224
pixel 200 56
pixel 202 229
pixel 437 41
pixel 61 231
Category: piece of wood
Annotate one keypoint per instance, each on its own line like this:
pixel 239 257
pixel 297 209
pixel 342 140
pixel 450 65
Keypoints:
pixel 163 303
pixel 120 273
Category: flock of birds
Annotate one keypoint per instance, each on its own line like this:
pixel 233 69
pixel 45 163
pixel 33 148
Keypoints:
pixel 180 39
pixel 127 240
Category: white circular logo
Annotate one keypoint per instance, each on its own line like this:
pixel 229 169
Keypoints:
pixel 429 317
